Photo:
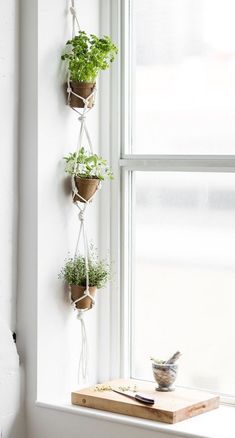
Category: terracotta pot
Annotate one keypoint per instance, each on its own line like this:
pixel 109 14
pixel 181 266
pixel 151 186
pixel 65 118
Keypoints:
pixel 86 188
pixel 78 291
pixel 83 89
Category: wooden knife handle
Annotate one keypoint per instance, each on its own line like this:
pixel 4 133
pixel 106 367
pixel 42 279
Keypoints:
pixel 144 399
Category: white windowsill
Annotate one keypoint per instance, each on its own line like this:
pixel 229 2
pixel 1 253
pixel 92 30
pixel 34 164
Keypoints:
pixel 219 423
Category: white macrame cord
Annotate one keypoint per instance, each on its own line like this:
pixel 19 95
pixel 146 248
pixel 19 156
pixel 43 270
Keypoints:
pixel 74 18
pixel 83 360
pixel 82 205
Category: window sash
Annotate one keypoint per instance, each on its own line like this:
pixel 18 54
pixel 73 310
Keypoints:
pixel 120 201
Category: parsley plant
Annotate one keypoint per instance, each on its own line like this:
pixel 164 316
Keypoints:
pixel 86 55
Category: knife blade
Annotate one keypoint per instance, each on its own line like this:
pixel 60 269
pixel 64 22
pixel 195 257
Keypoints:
pixel 141 398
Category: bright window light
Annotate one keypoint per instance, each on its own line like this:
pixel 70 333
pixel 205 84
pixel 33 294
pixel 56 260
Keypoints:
pixel 184 77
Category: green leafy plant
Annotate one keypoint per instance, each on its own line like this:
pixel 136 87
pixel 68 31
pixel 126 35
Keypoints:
pixel 87 165
pixel 74 270
pixel 86 55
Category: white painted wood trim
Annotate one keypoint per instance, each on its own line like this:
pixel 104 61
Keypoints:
pixel 179 163
pixel 214 424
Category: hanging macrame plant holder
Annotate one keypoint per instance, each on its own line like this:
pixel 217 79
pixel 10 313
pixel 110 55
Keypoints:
pixel 82 96
pixel 83 189
pixel 82 297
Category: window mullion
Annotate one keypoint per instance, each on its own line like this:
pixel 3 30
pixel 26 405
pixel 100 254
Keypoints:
pixel 179 163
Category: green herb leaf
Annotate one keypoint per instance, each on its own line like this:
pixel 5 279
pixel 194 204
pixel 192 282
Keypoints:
pixel 74 270
pixel 88 55
pixel 87 165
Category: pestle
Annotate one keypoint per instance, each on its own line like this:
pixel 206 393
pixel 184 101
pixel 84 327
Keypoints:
pixel 173 358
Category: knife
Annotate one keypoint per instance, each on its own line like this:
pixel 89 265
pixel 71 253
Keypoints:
pixel 137 397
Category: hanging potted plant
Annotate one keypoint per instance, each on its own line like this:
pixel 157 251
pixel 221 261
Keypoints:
pixel 87 171
pixel 86 55
pixel 74 275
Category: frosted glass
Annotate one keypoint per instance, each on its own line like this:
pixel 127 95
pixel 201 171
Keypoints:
pixel 184 77
pixel 184 276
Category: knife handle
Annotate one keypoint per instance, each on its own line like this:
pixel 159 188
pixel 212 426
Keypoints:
pixel 144 399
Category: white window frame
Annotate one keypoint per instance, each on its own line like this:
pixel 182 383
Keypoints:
pixel 118 202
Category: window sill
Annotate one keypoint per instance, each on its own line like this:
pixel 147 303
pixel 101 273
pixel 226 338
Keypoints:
pixel 213 424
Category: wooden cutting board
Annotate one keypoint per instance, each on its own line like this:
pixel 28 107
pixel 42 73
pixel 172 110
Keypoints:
pixel 169 407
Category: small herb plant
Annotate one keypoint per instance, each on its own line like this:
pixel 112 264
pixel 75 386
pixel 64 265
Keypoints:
pixel 87 165
pixel 103 387
pixel 74 271
pixel 86 55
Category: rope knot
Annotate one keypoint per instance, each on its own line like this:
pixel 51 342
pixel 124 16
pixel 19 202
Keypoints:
pixel 80 315
pixel 81 216
pixel 73 11
pixel 82 118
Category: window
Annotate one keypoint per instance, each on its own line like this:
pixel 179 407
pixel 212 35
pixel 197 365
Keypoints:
pixel 184 76
pixel 184 275
pixel 178 189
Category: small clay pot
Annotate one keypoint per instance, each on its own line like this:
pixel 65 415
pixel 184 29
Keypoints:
pixel 83 89
pixel 78 291
pixel 86 188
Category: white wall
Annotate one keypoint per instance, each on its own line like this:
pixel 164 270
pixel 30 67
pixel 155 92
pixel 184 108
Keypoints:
pixel 48 223
pixel 27 227
pixel 11 405
pixel 58 225
pixel 8 144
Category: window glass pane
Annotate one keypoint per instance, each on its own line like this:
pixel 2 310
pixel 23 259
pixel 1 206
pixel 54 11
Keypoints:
pixel 184 77
pixel 184 276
